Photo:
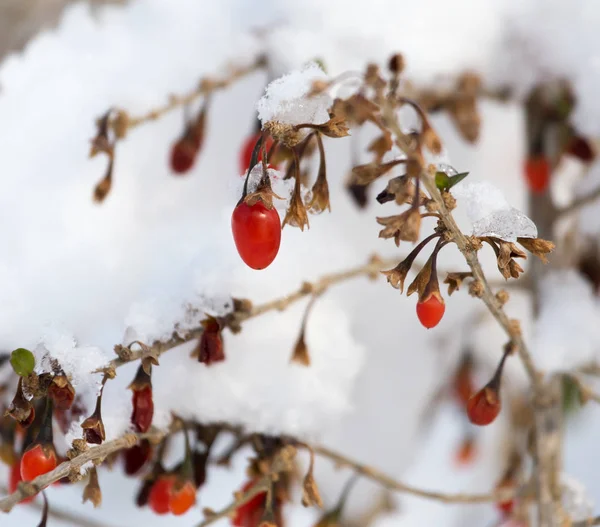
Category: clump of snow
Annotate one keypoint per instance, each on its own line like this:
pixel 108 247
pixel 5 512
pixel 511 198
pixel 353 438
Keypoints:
pixel 575 499
pixel 567 333
pixel 286 98
pixel 490 213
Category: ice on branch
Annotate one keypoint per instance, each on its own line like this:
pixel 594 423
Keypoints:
pixel 567 334
pixel 285 99
pixel 490 213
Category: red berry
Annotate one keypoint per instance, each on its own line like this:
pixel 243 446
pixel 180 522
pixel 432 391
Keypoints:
pixel 431 311
pixel 143 408
pixel 484 406
pixel 248 148
pixel 250 513
pixel 537 174
pixel 581 148
pixel 160 494
pixel 183 154
pixel 257 233
pixel 136 457
pixel 37 460
pixel 15 479
pixel 183 497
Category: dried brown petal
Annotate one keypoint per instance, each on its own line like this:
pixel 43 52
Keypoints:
pixel 296 215
pixel 365 174
pixel 300 354
pixel 356 108
pixel 335 127
pixel 380 145
pixel 61 392
pixel 421 280
pixel 431 140
pixel 455 280
pixel 92 490
pixel 405 226
pixel 463 112
pixel 20 409
pixel 515 269
pixel 320 191
pixel 310 491
pixel 537 246
pixel 103 187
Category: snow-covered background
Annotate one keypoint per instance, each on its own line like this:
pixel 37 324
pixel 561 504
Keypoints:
pixel 77 278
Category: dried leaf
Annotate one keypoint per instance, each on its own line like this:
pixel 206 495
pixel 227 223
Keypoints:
pixel 310 491
pixel 335 127
pixel 381 145
pixel 92 490
pixel 538 247
pixel 405 226
pixel 455 280
pixel 320 191
pixel 421 280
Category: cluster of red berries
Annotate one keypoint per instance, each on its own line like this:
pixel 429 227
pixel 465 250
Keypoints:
pixel 171 494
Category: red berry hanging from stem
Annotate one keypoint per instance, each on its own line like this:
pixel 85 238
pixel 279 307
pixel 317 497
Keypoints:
pixel 431 306
pixel 484 406
pixel 40 456
pixel 143 405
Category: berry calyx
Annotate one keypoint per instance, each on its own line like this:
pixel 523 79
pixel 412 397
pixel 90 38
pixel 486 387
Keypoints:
pixel 183 497
pixel 431 310
pixel 15 479
pixel 256 233
pixel 160 494
pixel 537 173
pixel 183 154
pixel 37 460
pixel 247 149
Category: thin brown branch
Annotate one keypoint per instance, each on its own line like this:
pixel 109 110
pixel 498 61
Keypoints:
pixel 470 254
pixel 24 490
pixel 306 289
pixel 391 484
pixel 206 86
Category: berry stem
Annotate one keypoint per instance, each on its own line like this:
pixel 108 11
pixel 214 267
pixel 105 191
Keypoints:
pixel 45 435
pixel 253 161
pixel 187 470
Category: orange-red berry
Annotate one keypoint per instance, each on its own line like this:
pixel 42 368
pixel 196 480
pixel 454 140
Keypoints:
pixel 37 460
pixel 257 233
pixel 431 311
pixel 484 406
pixel 160 494
pixel 183 497
pixel 537 173
pixel 15 479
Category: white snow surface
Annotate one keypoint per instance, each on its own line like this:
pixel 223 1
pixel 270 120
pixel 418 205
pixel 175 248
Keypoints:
pixel 286 101
pixel 490 213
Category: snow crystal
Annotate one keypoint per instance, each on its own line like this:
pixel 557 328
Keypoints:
pixel 575 499
pixel 567 333
pixel 286 100
pixel 490 213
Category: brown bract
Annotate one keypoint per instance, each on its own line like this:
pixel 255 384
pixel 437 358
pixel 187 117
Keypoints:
pixel 405 226
pixel 455 280
pixel 296 215
pixel 92 492
pixel 538 247
pixel 421 280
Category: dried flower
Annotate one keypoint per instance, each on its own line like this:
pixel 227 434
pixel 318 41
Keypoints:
pixel 455 280
pixel 143 405
pixel 92 491
pixel 537 246
pixel 296 215
pixel 320 191
pixel 210 347
pixel 61 392
pixel 20 409
pixel 405 226
pixel 93 427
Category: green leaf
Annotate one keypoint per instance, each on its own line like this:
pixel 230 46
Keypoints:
pixel 571 398
pixel 22 361
pixel 445 182
pixel 319 62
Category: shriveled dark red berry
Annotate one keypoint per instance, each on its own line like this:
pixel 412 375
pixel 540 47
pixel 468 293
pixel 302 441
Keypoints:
pixel 183 155
pixel 484 406
pixel 136 457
